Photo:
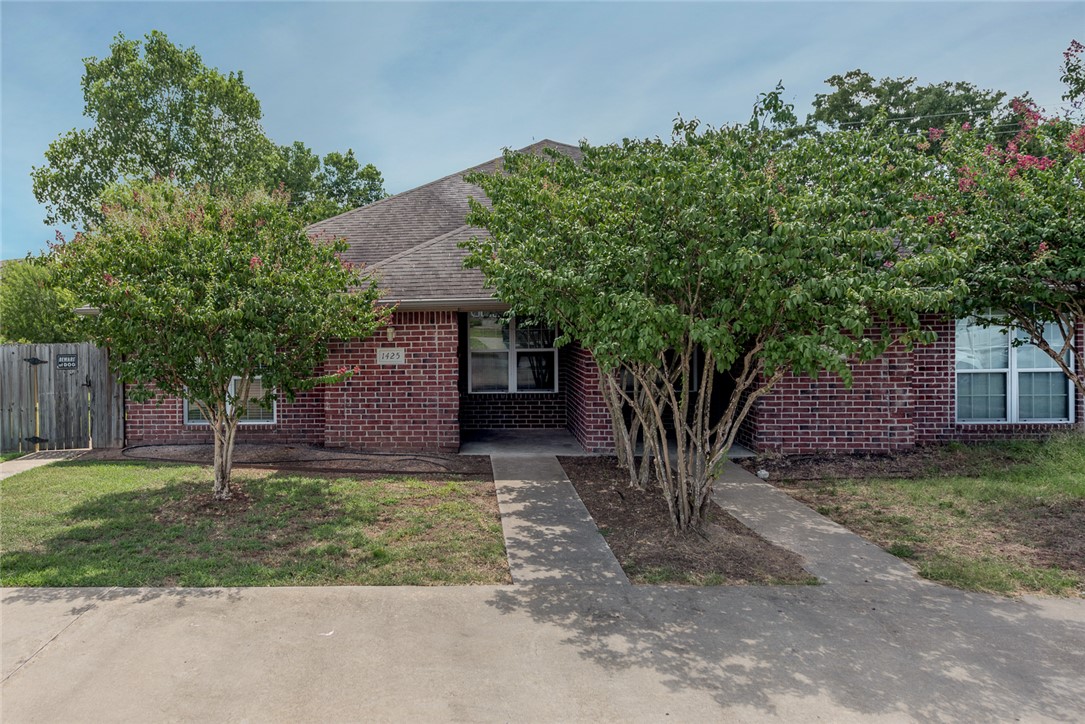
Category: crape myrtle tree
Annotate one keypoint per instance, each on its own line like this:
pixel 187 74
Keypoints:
pixel 1023 199
pixel 760 252
pixel 200 294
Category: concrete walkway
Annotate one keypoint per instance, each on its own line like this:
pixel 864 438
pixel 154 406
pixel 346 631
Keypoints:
pixel 36 460
pixel 549 534
pixel 830 551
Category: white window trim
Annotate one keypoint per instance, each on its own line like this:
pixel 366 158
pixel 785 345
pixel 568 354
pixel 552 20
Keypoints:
pixel 1013 401
pixel 233 381
pixel 512 352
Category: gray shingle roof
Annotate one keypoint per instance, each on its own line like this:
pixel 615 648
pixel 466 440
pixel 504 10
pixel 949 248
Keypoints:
pixel 432 270
pixel 410 238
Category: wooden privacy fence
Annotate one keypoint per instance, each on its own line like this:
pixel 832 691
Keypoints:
pixel 58 396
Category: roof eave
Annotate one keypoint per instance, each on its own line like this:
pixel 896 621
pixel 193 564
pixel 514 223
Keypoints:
pixel 455 304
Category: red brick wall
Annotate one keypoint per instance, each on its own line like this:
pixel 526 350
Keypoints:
pixel 804 415
pixel 897 401
pixel 535 410
pixel 160 421
pixel 587 414
pixel 409 407
pixel 747 430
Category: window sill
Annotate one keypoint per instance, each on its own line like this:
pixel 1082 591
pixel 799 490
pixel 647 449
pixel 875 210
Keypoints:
pixel 513 394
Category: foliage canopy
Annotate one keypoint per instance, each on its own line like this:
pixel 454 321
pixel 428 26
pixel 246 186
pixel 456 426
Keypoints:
pixel 196 289
pixel 157 111
pixel 759 252
pixel 32 307
pixel 858 98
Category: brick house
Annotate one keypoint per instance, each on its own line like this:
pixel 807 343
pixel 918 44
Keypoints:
pixel 447 365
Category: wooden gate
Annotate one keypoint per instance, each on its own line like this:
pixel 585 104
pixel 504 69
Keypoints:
pixel 58 396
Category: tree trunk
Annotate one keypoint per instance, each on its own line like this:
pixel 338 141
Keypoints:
pixel 225 432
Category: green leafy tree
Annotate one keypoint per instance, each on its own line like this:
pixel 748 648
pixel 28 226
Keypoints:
pixel 349 184
pixel 321 189
pixel 195 290
pixel 297 172
pixel 1023 199
pixel 1073 77
pixel 857 99
pixel 33 308
pixel 157 111
pixel 758 252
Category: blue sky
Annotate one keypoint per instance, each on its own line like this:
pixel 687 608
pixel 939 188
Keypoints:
pixel 425 89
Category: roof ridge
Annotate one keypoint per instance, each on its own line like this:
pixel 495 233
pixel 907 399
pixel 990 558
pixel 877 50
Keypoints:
pixel 416 247
pixel 437 181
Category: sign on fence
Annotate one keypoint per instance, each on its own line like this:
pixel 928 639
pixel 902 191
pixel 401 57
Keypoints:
pixel 58 396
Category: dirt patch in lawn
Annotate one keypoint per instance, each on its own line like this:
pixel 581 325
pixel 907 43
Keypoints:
pixel 636 525
pixel 1048 526
pixel 945 461
pixel 312 459
pixel 199 506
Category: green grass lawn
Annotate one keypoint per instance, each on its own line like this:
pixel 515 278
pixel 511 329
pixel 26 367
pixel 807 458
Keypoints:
pixel 143 524
pixel 4 457
pixel 1015 525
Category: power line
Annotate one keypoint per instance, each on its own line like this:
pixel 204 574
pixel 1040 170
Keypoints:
pixel 913 118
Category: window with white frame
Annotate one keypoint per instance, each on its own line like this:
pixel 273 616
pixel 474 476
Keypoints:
pixel 251 412
pixel 506 356
pixel 999 381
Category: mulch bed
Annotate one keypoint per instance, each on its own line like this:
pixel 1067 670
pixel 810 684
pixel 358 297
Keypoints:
pixel 311 459
pixel 636 525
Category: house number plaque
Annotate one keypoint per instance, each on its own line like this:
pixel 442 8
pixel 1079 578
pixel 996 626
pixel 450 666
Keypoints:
pixel 390 356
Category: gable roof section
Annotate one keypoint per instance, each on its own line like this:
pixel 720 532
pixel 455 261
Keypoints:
pixel 410 238
pixel 433 272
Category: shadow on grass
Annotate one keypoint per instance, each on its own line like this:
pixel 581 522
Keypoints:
pixel 275 530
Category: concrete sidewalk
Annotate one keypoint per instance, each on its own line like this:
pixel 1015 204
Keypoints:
pixel 36 460
pixel 540 653
pixel 549 535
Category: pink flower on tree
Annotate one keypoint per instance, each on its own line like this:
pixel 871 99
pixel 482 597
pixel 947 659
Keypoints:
pixel 1076 140
pixel 966 179
pixel 255 262
pixel 935 134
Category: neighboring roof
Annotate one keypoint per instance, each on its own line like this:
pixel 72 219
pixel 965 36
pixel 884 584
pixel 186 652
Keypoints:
pixel 410 238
